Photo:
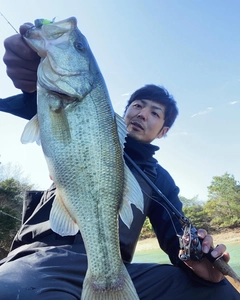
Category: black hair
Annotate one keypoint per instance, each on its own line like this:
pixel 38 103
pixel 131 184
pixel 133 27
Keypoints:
pixel 157 94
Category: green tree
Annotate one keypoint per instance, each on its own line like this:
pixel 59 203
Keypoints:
pixel 147 230
pixel 223 206
pixel 198 217
pixel 10 211
pixel 190 202
pixel 194 210
pixel 11 198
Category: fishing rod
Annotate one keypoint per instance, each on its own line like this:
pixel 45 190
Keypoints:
pixel 9 23
pixel 189 242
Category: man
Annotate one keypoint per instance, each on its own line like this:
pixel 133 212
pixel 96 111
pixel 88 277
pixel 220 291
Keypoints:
pixel 44 265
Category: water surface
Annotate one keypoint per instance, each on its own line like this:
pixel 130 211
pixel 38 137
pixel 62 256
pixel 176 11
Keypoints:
pixel 158 256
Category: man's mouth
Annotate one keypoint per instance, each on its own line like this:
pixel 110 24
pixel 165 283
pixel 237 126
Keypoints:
pixel 137 125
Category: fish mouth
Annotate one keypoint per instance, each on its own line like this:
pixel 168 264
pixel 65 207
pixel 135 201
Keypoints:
pixel 65 99
pixel 56 89
pixel 61 84
pixel 61 95
pixel 59 92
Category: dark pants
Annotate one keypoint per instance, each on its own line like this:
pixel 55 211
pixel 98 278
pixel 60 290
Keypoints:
pixel 57 273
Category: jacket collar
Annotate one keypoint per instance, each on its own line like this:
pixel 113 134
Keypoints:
pixel 140 151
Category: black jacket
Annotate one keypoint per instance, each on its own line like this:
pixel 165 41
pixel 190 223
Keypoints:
pixel 36 229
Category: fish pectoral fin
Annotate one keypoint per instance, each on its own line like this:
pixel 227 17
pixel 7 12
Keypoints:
pixel 31 132
pixel 60 219
pixel 126 213
pixel 132 194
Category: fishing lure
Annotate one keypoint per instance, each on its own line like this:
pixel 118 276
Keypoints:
pixel 40 22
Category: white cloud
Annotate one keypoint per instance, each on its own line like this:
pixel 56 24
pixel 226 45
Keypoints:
pixel 203 112
pixel 233 102
pixel 126 94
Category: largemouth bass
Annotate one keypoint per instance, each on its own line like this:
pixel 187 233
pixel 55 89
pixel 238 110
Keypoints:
pixel 82 140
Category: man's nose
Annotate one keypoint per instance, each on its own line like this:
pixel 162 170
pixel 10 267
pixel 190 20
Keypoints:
pixel 143 114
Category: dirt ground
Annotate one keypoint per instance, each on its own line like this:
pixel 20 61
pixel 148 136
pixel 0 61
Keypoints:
pixel 232 236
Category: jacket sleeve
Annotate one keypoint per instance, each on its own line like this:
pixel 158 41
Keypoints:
pixel 23 105
pixel 164 223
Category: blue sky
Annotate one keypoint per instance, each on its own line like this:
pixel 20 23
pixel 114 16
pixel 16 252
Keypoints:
pixel 192 48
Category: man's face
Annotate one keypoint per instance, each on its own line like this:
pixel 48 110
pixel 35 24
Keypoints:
pixel 145 119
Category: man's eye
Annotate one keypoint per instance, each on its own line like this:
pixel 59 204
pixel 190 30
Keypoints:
pixel 137 105
pixel 155 114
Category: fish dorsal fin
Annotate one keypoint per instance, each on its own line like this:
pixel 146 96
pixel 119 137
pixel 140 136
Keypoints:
pixel 60 220
pixel 31 132
pixel 122 129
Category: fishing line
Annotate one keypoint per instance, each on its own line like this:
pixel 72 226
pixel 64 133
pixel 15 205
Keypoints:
pixel 9 23
pixel 182 219
pixel 167 210
pixel 6 214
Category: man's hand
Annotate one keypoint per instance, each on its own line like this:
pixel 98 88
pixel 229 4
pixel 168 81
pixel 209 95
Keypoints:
pixel 21 61
pixel 205 268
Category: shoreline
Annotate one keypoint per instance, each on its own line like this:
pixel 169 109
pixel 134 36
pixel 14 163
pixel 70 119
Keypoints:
pixel 225 237
pixel 232 236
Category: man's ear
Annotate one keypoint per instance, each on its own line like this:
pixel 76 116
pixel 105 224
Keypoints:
pixel 163 131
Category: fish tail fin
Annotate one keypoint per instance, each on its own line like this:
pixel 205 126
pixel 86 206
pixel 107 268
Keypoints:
pixel 121 289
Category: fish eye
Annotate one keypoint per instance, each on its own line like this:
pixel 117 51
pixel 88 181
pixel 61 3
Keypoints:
pixel 79 46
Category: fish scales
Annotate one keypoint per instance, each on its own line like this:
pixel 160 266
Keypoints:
pixel 82 140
